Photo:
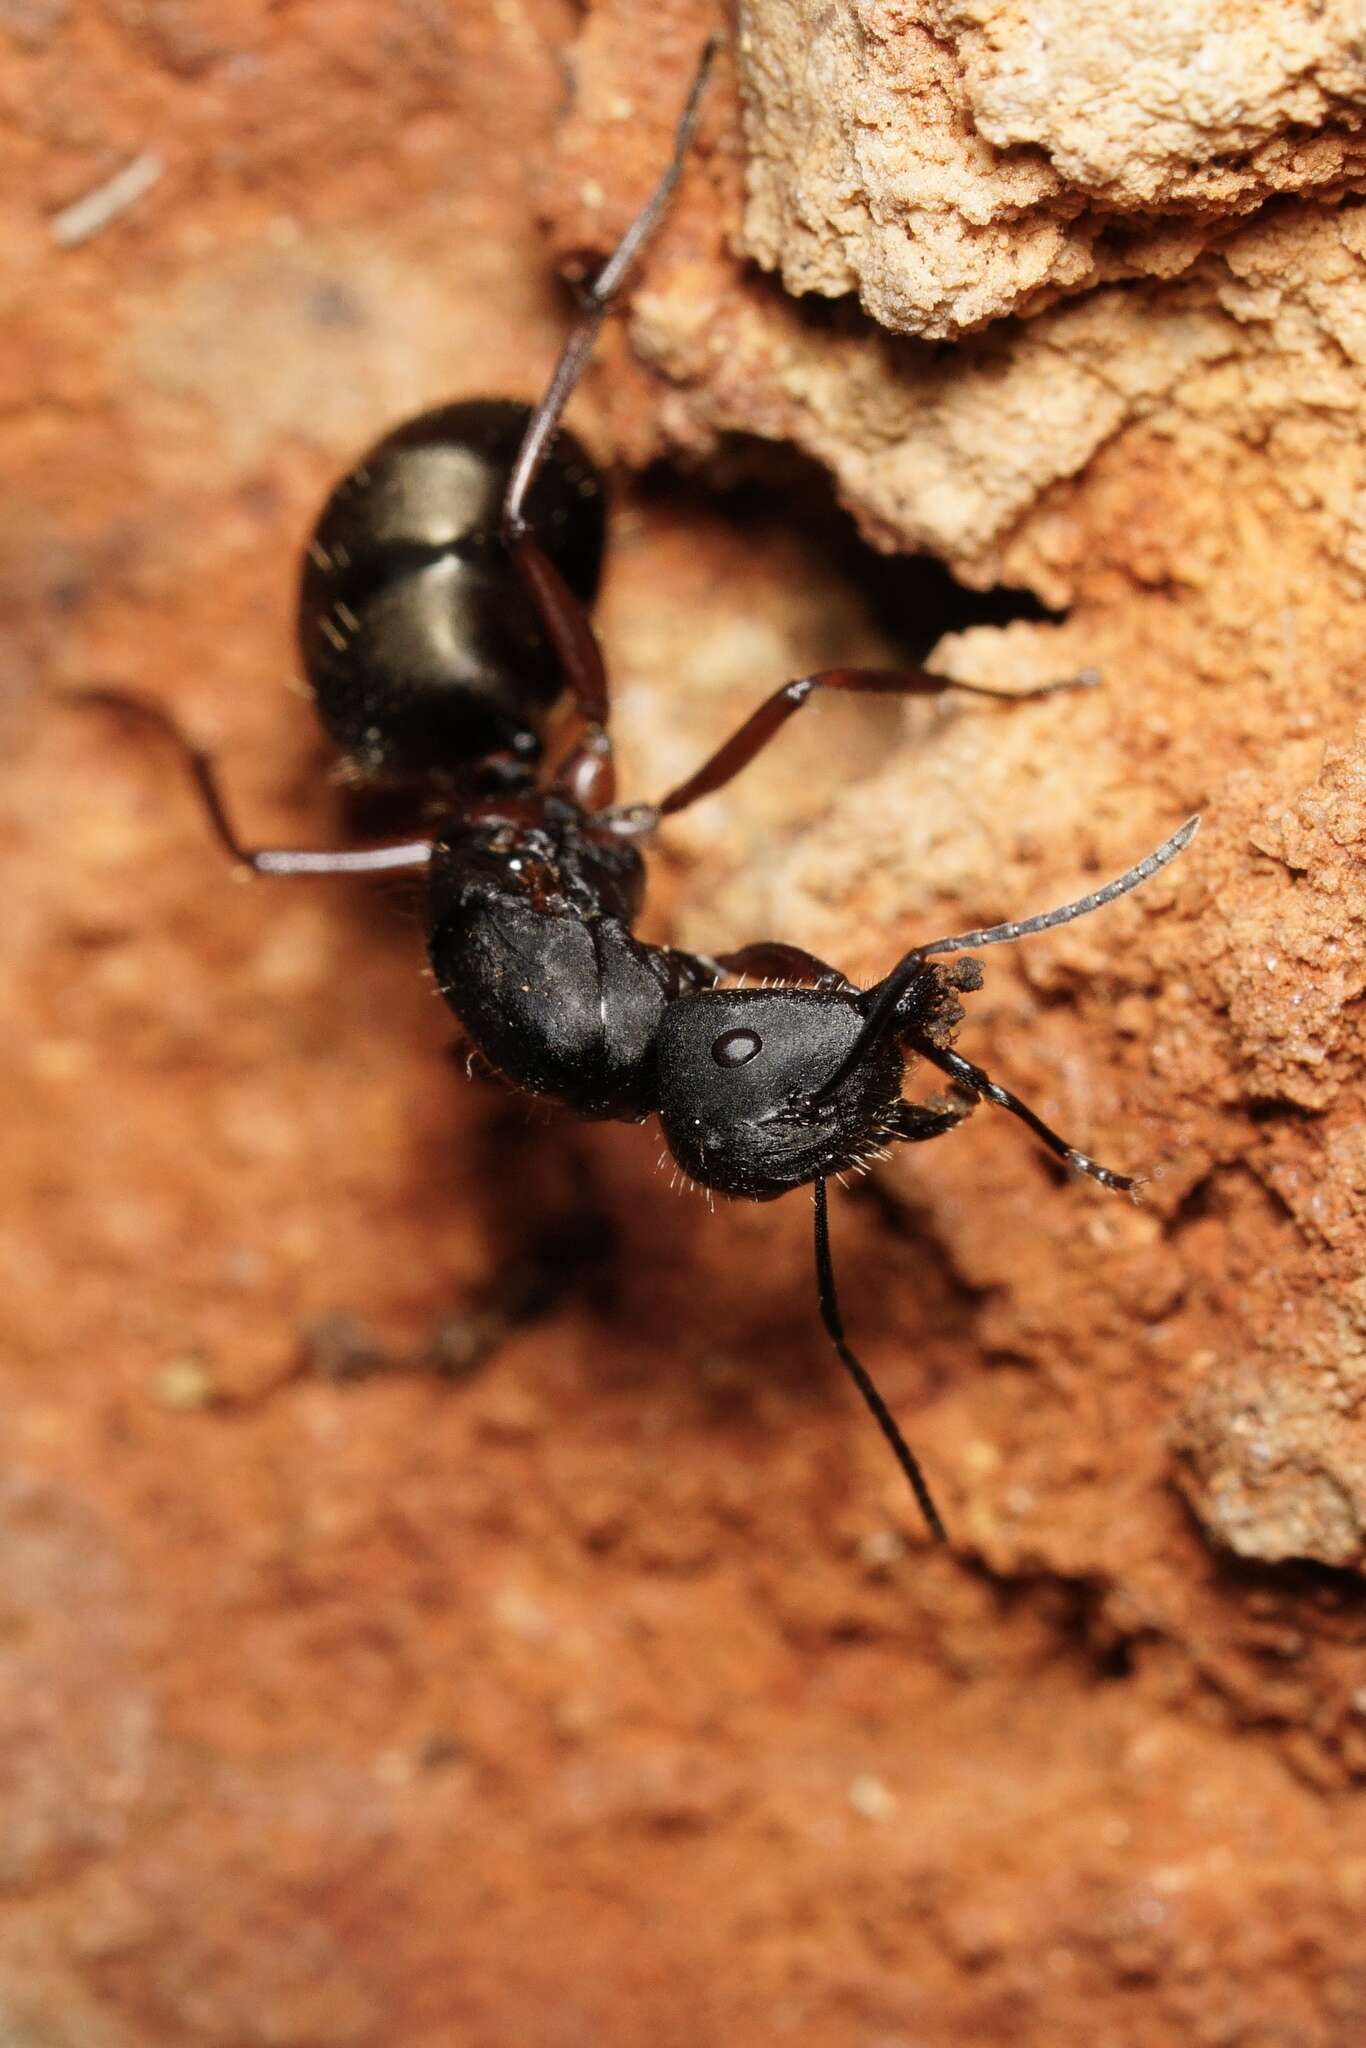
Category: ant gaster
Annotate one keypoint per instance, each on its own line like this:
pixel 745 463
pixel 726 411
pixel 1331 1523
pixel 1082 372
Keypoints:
pixel 444 607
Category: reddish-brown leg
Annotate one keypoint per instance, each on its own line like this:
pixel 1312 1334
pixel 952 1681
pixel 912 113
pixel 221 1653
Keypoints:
pixel 777 961
pixel 772 715
pixel 586 772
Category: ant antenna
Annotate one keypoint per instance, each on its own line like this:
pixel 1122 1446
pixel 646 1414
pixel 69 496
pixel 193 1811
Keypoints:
pixel 997 934
pixel 881 1017
pixel 882 1414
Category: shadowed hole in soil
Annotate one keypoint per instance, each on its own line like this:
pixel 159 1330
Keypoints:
pixel 1288 1594
pixel 1235 1197
pixel 1272 1109
pixel 1195 1205
pixel 751 485
pixel 1079 1628
pixel 1334 1594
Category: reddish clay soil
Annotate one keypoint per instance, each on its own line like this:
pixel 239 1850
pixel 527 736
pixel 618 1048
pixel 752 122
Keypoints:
pixel 373 1675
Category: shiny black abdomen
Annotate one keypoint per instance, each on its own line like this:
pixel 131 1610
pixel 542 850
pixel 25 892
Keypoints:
pixel 422 646
pixel 529 916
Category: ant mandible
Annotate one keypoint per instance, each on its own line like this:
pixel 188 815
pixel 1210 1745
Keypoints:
pixel 444 607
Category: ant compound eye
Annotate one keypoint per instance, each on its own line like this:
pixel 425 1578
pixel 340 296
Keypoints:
pixel 736 1048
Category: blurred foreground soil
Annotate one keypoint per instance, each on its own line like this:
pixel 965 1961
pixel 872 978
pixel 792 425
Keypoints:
pixel 358 1688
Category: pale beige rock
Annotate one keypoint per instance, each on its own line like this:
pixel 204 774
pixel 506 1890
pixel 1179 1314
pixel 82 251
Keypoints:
pixel 1289 955
pixel 953 454
pixel 1163 103
pixel 954 160
pixel 1272 1455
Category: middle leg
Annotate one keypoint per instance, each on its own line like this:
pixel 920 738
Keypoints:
pixel 777 961
pixel 772 715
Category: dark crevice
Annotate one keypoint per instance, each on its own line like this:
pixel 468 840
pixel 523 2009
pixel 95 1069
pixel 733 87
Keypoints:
pixel 1195 1205
pixel 756 486
pixel 1271 1109
pixel 1081 1630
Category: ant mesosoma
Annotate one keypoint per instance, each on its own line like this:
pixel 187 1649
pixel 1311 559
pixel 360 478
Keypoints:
pixel 443 609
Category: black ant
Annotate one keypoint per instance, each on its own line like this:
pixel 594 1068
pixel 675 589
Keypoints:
pixel 443 609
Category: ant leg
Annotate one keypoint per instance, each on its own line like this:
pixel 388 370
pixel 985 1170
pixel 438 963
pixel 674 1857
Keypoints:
pixel 772 715
pixel 780 962
pixel 587 773
pixel 882 1414
pixel 597 301
pixel 891 992
pixel 975 1081
pixel 913 1122
pixel 264 860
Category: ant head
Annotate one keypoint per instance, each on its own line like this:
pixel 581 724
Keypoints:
pixel 740 1071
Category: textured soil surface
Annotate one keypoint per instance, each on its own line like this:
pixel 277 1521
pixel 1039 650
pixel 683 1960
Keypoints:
pixel 375 1669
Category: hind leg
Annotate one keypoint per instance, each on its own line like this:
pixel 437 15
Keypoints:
pixel 263 860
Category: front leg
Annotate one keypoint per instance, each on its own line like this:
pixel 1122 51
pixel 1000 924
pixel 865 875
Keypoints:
pixel 974 1080
pixel 775 960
